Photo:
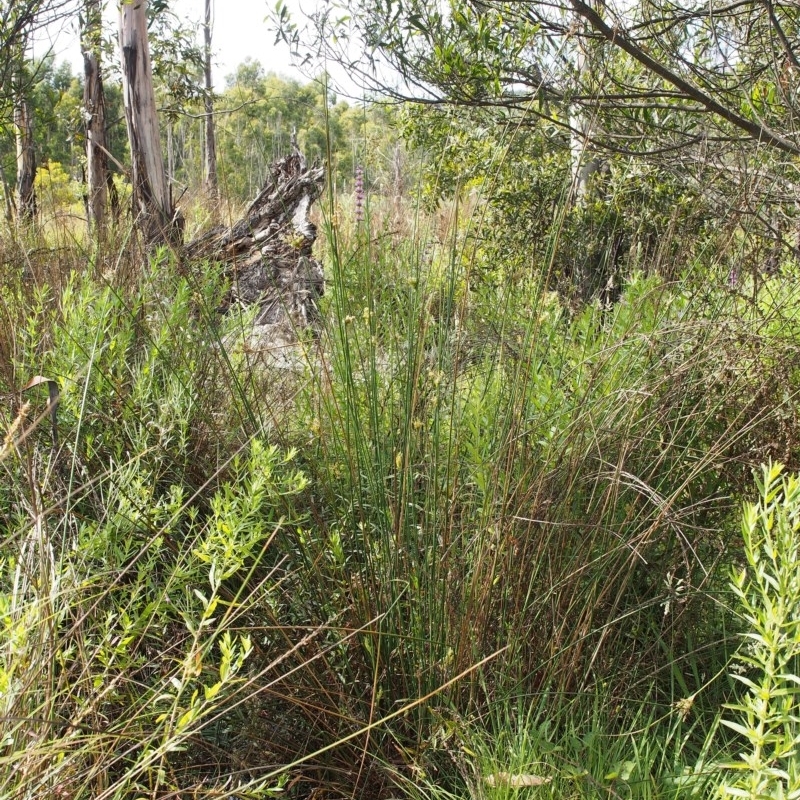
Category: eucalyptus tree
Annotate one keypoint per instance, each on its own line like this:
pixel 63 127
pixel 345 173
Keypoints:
pixel 212 186
pixel 23 133
pixel 156 216
pixel 94 109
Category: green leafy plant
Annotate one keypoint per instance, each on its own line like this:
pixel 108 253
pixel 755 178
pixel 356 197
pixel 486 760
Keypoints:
pixel 768 591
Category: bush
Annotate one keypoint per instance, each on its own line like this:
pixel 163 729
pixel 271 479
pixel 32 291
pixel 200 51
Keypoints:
pixel 135 571
pixel 767 589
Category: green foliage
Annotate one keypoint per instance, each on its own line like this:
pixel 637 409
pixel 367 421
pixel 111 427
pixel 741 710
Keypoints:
pixel 519 169
pixel 177 61
pixel 55 191
pixel 767 589
pixel 268 109
pixel 261 111
pixel 130 561
pixel 516 97
pixel 96 645
pixel 555 747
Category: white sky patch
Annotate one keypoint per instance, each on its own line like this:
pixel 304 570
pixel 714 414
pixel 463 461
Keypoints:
pixel 241 30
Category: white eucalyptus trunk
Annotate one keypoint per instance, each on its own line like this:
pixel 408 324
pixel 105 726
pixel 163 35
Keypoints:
pixel 26 159
pixel 212 186
pixel 583 164
pixel 152 198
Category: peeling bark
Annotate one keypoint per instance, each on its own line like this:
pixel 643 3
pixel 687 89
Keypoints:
pixel 155 214
pixel 26 159
pixel 95 118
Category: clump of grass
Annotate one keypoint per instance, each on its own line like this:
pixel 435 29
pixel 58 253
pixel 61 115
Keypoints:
pixel 124 648
pixel 516 481
pixel 455 450
pixel 127 648
pixel 555 747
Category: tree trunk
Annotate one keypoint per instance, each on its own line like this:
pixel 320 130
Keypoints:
pixel 95 117
pixel 170 150
pixel 268 253
pixel 8 196
pixel 26 159
pixel 211 144
pixel 156 217
pixel 582 167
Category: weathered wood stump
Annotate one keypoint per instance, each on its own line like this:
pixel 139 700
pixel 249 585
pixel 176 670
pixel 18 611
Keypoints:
pixel 268 253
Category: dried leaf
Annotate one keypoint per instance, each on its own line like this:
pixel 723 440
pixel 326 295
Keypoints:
pixel 36 380
pixel 52 390
pixel 519 781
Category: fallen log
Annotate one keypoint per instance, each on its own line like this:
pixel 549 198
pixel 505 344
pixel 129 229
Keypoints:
pixel 267 255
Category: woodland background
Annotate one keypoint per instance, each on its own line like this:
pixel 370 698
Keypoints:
pixel 513 514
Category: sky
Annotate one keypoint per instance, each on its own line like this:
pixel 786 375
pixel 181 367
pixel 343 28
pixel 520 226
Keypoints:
pixel 240 30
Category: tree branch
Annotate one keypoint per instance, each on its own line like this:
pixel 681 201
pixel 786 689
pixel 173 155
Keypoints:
pixel 616 37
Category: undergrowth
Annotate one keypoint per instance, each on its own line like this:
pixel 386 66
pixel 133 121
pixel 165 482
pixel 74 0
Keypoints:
pixel 466 541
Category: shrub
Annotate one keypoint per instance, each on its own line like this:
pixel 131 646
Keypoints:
pixel 767 589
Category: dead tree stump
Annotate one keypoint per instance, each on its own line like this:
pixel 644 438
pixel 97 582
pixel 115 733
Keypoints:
pixel 267 254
